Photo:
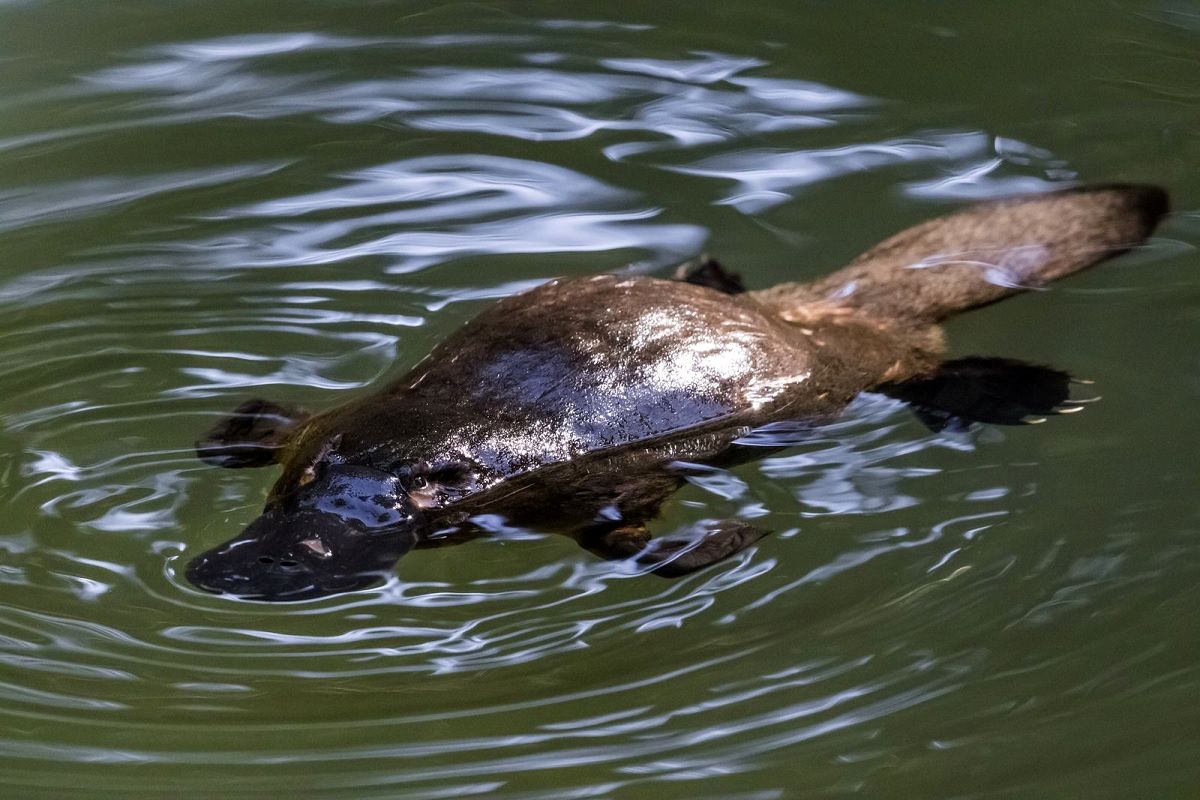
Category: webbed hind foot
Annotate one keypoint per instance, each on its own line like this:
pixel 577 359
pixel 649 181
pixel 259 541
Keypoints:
pixel 999 391
pixel 707 271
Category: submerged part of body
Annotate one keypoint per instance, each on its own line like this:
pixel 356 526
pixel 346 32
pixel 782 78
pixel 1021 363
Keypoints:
pixel 571 407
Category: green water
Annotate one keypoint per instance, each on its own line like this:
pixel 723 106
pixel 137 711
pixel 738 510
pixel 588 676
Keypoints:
pixel 203 202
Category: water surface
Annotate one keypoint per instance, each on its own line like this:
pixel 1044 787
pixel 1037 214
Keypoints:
pixel 201 203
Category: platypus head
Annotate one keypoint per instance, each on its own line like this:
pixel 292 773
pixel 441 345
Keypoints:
pixel 344 529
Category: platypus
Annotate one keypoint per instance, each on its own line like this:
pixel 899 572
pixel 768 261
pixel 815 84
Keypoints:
pixel 580 405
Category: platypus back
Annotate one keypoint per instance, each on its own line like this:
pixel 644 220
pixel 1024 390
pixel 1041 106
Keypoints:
pixel 983 254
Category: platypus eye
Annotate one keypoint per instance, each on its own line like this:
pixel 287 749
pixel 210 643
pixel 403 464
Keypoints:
pixel 419 482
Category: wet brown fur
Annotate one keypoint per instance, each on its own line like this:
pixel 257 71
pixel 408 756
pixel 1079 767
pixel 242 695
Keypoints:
pixel 570 406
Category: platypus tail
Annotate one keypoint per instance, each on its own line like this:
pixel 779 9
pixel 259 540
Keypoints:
pixel 985 253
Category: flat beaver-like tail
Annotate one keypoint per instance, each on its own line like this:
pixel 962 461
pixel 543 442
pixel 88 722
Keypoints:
pixel 985 253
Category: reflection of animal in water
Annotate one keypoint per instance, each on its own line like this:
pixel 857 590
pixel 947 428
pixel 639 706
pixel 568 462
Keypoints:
pixel 570 407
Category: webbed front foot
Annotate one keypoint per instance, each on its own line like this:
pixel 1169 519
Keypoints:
pixel 251 436
pixel 674 557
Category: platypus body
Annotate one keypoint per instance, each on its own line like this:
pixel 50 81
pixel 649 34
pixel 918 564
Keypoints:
pixel 580 406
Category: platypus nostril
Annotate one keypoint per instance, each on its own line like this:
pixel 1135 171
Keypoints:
pixel 279 564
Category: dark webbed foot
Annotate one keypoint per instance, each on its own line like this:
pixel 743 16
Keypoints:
pixel 675 556
pixel 706 271
pixel 999 391
pixel 251 436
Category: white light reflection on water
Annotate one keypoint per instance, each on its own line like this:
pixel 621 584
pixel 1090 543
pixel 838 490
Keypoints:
pixel 482 205
pixel 678 103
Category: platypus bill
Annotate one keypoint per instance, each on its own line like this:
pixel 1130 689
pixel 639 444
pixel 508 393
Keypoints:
pixel 574 406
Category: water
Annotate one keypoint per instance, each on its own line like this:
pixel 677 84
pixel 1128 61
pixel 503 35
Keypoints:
pixel 205 202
